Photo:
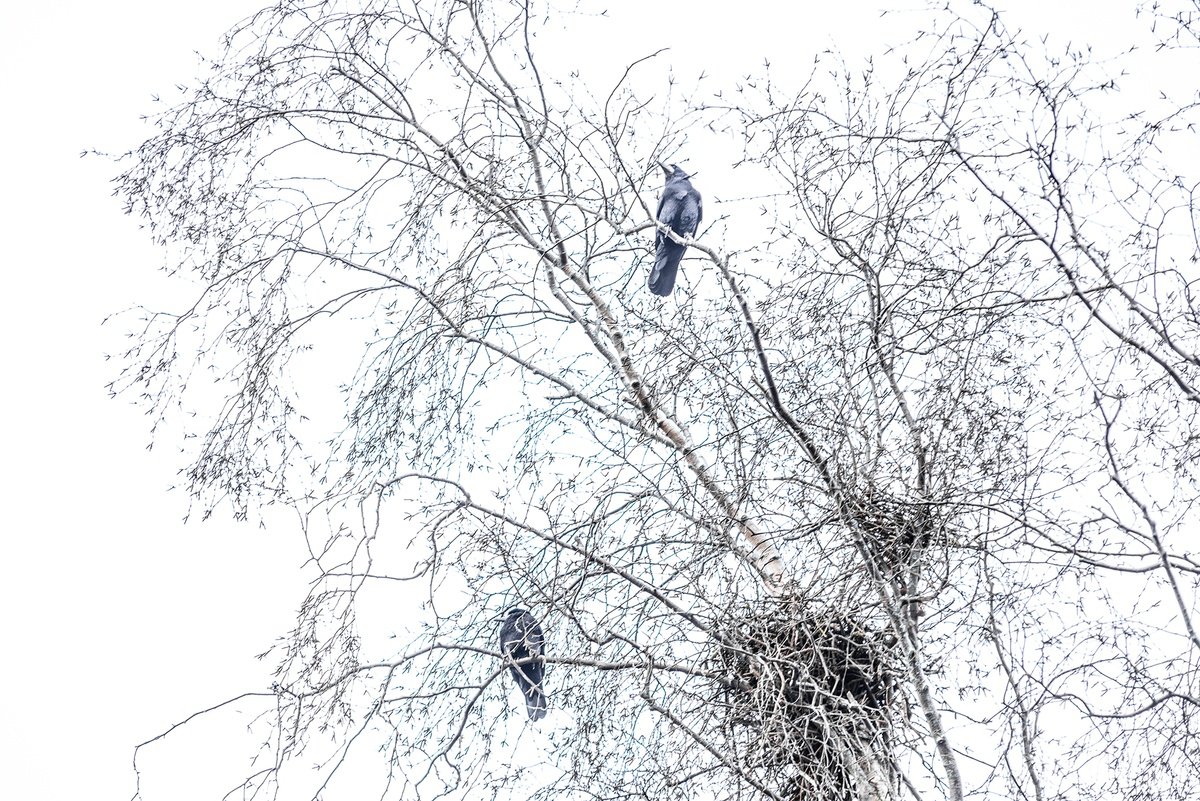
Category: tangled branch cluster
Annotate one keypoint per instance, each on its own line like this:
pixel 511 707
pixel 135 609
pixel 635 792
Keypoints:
pixel 896 533
pixel 810 695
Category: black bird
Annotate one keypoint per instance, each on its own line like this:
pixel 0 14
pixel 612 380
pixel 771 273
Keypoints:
pixel 520 639
pixel 680 209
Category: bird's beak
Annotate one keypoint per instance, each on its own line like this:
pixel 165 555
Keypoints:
pixel 665 169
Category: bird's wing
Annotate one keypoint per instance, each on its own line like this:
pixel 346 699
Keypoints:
pixel 508 636
pixel 670 207
pixel 688 220
pixel 531 635
pixel 699 212
pixel 668 213
pixel 662 201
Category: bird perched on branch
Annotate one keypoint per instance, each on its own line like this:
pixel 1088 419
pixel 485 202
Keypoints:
pixel 680 210
pixel 522 643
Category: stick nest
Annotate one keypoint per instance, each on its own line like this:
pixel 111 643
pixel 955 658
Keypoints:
pixel 809 694
pixel 896 533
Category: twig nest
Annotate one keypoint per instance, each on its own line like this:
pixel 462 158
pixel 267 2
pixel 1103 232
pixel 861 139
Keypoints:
pixel 809 693
pixel 896 533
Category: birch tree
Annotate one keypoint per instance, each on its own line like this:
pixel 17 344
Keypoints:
pixel 890 499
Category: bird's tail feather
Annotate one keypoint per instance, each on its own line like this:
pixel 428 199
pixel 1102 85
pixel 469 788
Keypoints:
pixel 666 265
pixel 535 703
pixel 535 698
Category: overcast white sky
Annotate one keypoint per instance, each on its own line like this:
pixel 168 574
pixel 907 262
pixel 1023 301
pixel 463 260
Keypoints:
pixel 117 619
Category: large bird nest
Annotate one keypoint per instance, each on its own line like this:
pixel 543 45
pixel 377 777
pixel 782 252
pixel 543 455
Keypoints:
pixel 809 695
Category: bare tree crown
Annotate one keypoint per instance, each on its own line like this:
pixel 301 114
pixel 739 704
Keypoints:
pixel 890 498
